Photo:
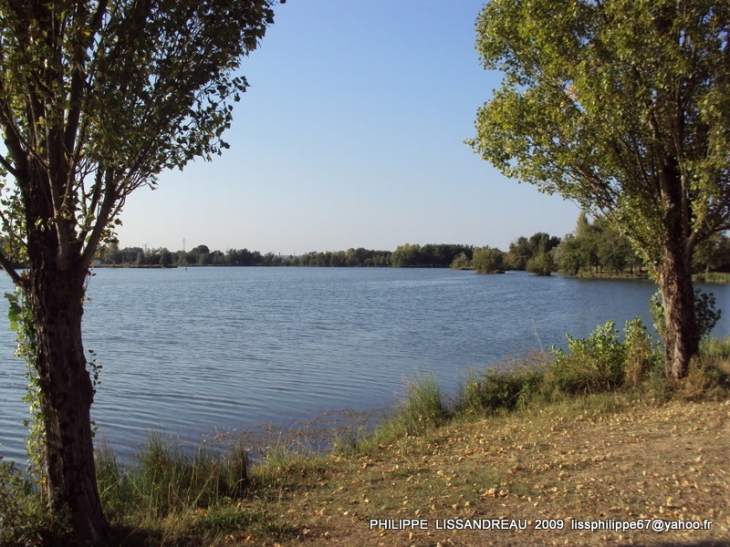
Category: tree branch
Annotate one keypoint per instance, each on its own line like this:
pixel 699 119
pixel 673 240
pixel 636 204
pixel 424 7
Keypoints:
pixel 102 219
pixel 8 267
pixel 9 166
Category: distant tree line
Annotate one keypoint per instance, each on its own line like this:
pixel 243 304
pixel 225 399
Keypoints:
pixel 352 257
pixel 534 254
pixel 428 256
pixel 405 256
pixel 592 250
pixel 201 255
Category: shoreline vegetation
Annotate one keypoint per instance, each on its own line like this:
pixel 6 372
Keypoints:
pixel 592 433
pixel 592 251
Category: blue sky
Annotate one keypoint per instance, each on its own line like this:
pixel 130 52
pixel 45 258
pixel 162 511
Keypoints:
pixel 351 135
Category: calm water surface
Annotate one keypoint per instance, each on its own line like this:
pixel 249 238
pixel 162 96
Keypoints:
pixel 192 351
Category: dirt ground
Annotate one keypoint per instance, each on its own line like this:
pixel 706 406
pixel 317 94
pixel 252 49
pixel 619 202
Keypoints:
pixel 540 478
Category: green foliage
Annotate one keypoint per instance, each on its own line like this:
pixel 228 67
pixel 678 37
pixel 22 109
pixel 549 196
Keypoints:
pixel 97 98
pixel 596 249
pixel 169 478
pixel 501 389
pixel 487 260
pixel 643 353
pixel 705 307
pixel 603 362
pixel 589 98
pixel 25 519
pixel 132 89
pixel 542 264
pixel 421 409
pixel 621 106
pixel 460 262
pixel 591 364
pixel 712 254
pixel 12 516
pixel 428 256
pixel 523 249
pixel 20 316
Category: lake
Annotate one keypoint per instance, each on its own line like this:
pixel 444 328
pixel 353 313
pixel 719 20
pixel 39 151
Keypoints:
pixel 201 350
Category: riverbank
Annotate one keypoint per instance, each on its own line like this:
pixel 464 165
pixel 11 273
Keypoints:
pixel 592 460
pixel 557 442
pixel 611 457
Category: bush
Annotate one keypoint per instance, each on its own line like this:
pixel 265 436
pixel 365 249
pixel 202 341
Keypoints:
pixel 12 517
pixel 603 362
pixel 461 262
pixel 709 372
pixel 25 520
pixel 487 260
pixel 593 364
pixel 643 354
pixel 501 389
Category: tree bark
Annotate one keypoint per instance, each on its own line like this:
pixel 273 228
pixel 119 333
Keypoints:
pixel 682 335
pixel 56 298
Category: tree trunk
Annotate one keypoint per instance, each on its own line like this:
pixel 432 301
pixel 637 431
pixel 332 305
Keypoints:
pixel 682 334
pixel 56 297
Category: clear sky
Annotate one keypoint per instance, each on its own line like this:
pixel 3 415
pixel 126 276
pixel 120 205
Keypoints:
pixel 351 135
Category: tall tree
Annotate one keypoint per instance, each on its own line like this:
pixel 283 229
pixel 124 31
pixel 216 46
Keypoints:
pixel 624 107
pixel 97 97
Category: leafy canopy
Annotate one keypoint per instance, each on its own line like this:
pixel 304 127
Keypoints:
pixel 604 101
pixel 98 97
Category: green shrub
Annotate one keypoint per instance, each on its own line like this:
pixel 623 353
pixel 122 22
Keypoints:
pixel 542 264
pixel 461 262
pixel 12 517
pixel 487 260
pixel 643 354
pixel 500 389
pixel 592 364
pixel 25 520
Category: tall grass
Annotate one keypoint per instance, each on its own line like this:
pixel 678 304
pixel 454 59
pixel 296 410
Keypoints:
pixel 507 387
pixel 174 492
pixel 167 477
pixel 422 408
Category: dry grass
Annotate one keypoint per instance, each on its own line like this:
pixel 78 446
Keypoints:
pixel 599 458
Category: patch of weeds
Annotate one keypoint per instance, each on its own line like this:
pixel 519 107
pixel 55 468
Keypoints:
pixel 421 409
pixel 348 443
pixel 287 468
pixel 501 389
pixel 423 406
pixel 229 519
pixel 167 478
pixel 708 377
